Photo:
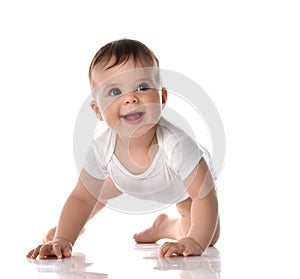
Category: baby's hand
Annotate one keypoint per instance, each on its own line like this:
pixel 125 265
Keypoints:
pixel 57 247
pixel 185 246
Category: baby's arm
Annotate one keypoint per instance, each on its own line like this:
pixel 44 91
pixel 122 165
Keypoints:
pixel 204 208
pixel 78 208
pixel 203 214
pixel 51 233
pixel 109 192
pixel 74 215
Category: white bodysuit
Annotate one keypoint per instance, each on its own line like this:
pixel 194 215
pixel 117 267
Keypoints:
pixel 177 156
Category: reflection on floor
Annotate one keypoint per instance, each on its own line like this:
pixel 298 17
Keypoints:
pixel 140 262
pixel 74 267
pixel 208 266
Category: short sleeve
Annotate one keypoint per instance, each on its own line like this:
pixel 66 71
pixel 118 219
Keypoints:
pixel 185 156
pixel 93 163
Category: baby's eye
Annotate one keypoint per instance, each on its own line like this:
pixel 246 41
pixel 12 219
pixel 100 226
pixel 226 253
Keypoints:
pixel 143 86
pixel 115 92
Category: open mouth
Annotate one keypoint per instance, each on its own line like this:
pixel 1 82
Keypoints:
pixel 134 117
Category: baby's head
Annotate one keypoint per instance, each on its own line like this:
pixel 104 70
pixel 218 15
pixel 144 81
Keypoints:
pixel 126 86
pixel 120 52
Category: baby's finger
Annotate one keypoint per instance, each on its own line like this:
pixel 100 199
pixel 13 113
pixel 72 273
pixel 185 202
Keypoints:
pixel 176 249
pixel 188 251
pixel 164 248
pixel 46 250
pixel 57 250
pixel 35 252
pixel 29 253
pixel 67 252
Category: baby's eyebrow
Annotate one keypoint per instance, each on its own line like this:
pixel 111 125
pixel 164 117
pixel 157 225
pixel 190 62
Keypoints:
pixel 111 85
pixel 105 86
pixel 144 79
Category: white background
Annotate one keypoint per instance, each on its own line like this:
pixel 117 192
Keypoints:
pixel 244 54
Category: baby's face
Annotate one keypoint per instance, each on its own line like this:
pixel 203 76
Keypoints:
pixel 129 97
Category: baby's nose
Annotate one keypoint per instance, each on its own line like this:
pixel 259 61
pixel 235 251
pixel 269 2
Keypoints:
pixel 130 99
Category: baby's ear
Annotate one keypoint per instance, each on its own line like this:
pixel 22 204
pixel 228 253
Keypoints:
pixel 164 96
pixel 96 109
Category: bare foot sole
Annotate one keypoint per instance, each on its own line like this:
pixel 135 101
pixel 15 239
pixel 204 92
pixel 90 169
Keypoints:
pixel 152 234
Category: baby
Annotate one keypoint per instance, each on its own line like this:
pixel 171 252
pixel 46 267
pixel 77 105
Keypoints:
pixel 140 154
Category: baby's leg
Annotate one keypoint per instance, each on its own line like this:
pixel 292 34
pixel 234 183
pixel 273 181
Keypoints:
pixel 184 209
pixel 165 227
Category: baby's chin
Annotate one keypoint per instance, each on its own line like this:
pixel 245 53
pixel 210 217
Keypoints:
pixel 134 132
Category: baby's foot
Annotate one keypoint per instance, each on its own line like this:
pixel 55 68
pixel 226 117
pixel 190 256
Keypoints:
pixel 153 233
pixel 50 235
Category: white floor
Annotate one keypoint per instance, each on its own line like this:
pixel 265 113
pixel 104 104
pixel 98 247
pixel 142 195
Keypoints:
pixel 107 250
pixel 139 261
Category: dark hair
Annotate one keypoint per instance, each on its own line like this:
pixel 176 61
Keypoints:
pixel 120 51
